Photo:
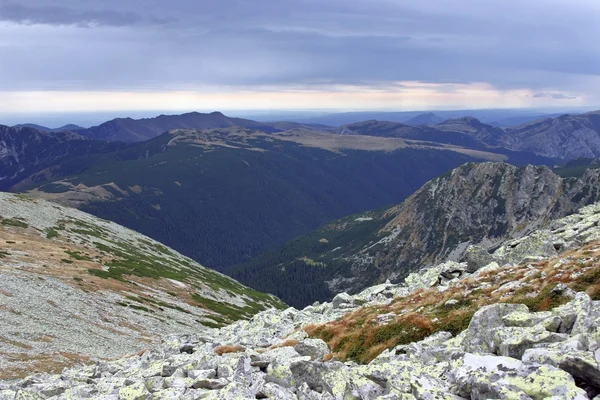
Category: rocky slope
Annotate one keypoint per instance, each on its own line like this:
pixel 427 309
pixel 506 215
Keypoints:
pixel 447 333
pixel 484 203
pixel 25 151
pixel 76 288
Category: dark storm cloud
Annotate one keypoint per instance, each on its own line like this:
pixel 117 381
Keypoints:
pixel 538 44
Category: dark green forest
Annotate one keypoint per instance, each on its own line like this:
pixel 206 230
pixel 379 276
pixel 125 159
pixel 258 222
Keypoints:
pixel 222 206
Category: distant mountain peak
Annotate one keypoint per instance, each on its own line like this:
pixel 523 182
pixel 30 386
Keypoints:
pixel 424 119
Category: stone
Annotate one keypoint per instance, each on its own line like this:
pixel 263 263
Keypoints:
pixel 316 349
pixel 136 391
pixel 476 257
pixel 479 336
pixel 210 384
pixel 342 299
pixel 579 364
pixel 513 341
pixel 482 377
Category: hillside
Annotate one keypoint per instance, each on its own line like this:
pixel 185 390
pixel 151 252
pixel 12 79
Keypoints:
pixel 137 130
pixel 76 288
pixel 482 204
pixel 25 151
pixel 222 196
pixel 527 329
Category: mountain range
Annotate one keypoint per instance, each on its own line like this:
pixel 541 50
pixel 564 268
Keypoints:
pixel 565 137
pixel 222 196
pixel 136 130
pixel 282 179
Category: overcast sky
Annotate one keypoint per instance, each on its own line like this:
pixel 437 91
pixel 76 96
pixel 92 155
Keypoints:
pixel 102 55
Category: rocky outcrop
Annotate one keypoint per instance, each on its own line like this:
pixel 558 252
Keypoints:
pixel 483 204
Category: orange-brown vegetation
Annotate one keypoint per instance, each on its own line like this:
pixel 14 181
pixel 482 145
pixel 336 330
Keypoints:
pixel 229 349
pixel 358 336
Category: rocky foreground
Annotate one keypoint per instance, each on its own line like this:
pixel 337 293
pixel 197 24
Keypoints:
pixel 506 352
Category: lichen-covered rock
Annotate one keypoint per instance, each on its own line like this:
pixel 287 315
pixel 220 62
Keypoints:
pixel 512 342
pixel 479 336
pixel 476 257
pixel 342 300
pixel 491 377
pixel 579 364
pixel 316 349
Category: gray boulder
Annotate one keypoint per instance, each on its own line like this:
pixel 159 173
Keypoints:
pixel 316 349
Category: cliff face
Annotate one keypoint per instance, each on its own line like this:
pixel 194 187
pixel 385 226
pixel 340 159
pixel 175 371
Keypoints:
pixel 476 203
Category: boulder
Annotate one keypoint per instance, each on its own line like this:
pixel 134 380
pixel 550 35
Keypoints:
pixel 579 364
pixel 342 300
pixel 480 377
pixel 316 349
pixel 479 336
pixel 476 257
pixel 513 341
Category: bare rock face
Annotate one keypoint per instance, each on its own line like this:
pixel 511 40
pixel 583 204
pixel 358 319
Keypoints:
pixel 481 204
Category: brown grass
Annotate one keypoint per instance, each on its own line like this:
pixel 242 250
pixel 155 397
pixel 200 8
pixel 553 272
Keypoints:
pixel 229 349
pixel 357 335
pixel 287 343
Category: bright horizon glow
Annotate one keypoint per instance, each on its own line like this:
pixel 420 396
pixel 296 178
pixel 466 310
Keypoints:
pixel 402 96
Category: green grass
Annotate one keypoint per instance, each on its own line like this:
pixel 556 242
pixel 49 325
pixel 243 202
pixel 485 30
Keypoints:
pixel 66 261
pixel 51 233
pixel 16 222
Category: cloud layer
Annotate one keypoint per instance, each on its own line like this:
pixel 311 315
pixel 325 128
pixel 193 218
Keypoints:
pixel 546 48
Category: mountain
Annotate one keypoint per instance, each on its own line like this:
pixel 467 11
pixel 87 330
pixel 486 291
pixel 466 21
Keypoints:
pixel 563 138
pixel 69 127
pixel 566 137
pixel 77 288
pixel 136 130
pixel 26 151
pixel 526 329
pixel 34 126
pixel 483 204
pixel 424 119
pixel 222 196
pixel 496 117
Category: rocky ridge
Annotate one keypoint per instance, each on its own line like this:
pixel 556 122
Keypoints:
pixel 77 288
pixel 506 351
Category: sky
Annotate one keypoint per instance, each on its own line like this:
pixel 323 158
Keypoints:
pixel 73 56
